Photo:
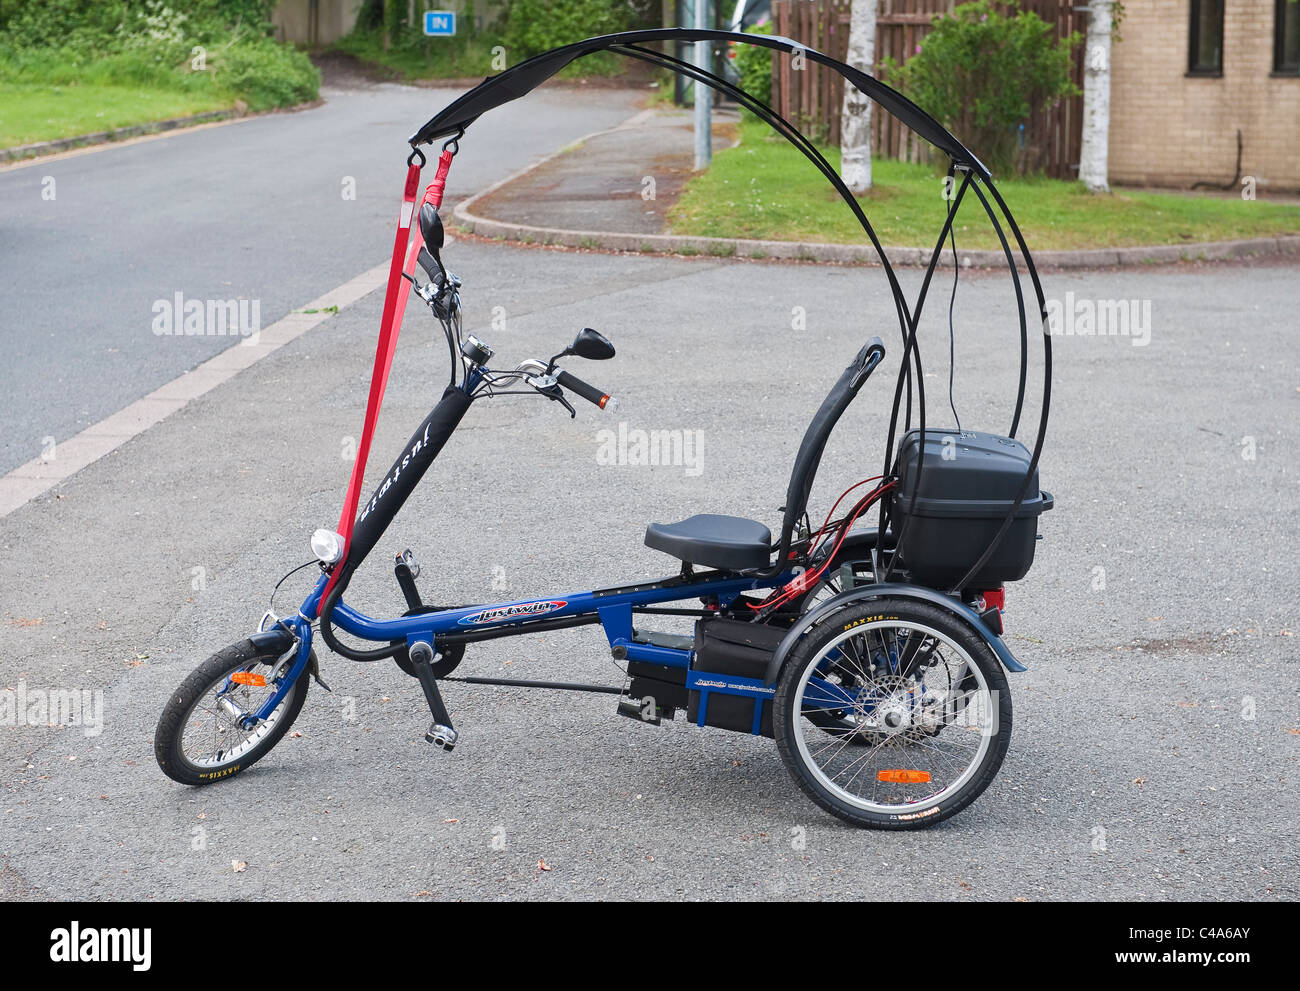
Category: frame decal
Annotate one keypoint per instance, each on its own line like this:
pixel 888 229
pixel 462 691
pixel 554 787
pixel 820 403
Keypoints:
pixel 520 610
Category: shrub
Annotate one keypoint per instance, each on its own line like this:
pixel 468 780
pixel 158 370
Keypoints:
pixel 149 45
pixel 101 26
pixel 267 75
pixel 981 73
pixel 754 65
pixel 533 26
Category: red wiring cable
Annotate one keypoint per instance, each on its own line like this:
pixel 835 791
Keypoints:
pixel 826 522
pixel 803 582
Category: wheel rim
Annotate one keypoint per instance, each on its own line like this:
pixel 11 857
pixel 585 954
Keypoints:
pixel 212 737
pixel 940 726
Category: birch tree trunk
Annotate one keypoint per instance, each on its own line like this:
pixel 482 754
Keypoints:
pixel 855 115
pixel 1095 150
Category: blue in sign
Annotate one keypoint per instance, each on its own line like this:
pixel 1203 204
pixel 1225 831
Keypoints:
pixel 440 23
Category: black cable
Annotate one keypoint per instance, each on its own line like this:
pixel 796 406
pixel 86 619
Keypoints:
pixel 887 513
pixel 334 644
pixel 1020 308
pixel 952 334
pixel 451 349
pixel 287 576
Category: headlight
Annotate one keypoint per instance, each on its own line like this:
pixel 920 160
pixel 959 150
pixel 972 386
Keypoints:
pixel 327 546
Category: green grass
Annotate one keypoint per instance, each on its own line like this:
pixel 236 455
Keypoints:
pixel 62 93
pixel 764 188
pixel 31 112
pixel 434 58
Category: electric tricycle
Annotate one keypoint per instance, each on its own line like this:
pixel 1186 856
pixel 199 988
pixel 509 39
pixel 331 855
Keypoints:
pixel 869 647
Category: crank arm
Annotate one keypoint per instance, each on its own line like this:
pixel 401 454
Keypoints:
pixel 441 733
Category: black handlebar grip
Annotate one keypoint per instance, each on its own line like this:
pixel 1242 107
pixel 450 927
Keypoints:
pixel 587 392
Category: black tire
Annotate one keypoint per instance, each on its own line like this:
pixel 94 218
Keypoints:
pixel 950 647
pixel 169 737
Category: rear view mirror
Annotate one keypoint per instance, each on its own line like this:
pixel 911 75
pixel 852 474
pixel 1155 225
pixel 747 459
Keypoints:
pixel 431 228
pixel 592 345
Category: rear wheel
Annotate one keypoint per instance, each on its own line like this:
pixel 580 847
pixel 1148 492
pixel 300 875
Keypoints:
pixel 200 738
pixel 852 568
pixel 923 714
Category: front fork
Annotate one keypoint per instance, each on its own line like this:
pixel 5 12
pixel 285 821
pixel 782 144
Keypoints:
pixel 297 630
pixel 293 633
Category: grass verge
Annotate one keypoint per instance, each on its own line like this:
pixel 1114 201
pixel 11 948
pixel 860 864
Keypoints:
pixel 764 188
pixel 427 58
pixel 32 112
pixel 48 93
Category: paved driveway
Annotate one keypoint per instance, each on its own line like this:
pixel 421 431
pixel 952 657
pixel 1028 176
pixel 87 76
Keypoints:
pixel 1157 739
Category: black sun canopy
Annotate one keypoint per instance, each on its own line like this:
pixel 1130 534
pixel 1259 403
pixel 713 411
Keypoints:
pixel 520 80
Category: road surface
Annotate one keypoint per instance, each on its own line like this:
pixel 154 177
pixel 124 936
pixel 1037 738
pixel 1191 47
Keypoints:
pixel 1157 739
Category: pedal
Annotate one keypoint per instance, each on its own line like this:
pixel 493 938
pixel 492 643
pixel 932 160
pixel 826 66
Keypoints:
pixel 441 736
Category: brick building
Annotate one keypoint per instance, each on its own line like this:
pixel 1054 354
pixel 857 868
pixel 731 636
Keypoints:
pixel 1188 75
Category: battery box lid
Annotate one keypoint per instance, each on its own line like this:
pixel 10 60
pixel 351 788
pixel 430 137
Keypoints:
pixel 966 473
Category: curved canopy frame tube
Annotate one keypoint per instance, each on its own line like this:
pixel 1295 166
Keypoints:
pixel 521 79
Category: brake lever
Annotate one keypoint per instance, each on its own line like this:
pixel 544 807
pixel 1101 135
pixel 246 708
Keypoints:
pixel 556 393
pixel 423 290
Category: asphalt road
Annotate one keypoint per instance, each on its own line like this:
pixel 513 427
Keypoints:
pixel 276 209
pixel 1157 734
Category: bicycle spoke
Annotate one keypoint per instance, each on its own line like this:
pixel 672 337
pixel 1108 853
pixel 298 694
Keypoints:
pixel 903 685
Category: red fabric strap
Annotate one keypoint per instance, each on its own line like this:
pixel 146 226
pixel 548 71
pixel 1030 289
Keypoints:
pixel 406 248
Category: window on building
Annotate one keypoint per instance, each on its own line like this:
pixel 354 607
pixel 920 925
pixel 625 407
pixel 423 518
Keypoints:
pixel 1286 37
pixel 1206 49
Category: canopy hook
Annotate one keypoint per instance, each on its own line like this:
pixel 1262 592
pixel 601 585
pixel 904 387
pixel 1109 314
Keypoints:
pixel 453 143
pixel 416 153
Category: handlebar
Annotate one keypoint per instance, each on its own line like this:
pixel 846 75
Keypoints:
pixel 587 392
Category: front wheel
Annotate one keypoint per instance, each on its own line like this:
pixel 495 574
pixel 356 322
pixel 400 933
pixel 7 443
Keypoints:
pixel 200 738
pixel 922 711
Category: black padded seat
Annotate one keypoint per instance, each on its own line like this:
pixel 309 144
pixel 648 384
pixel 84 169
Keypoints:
pixel 714 541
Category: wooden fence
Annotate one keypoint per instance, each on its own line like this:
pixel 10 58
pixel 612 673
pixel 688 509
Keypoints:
pixel 812 97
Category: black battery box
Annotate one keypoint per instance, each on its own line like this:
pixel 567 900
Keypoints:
pixel 953 498
pixel 729 647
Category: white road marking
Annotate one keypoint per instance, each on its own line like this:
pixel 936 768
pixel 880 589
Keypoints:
pixel 36 477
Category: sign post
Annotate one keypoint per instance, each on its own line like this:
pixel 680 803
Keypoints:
pixel 440 23
pixel 703 93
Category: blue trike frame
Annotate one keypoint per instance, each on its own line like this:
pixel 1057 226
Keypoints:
pixel 612 608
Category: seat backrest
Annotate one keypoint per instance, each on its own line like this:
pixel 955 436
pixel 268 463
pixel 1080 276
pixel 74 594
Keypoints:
pixel 819 431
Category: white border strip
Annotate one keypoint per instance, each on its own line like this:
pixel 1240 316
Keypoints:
pixel 37 477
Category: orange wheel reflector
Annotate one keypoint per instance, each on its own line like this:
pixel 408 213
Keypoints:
pixel 902 777
pixel 256 680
